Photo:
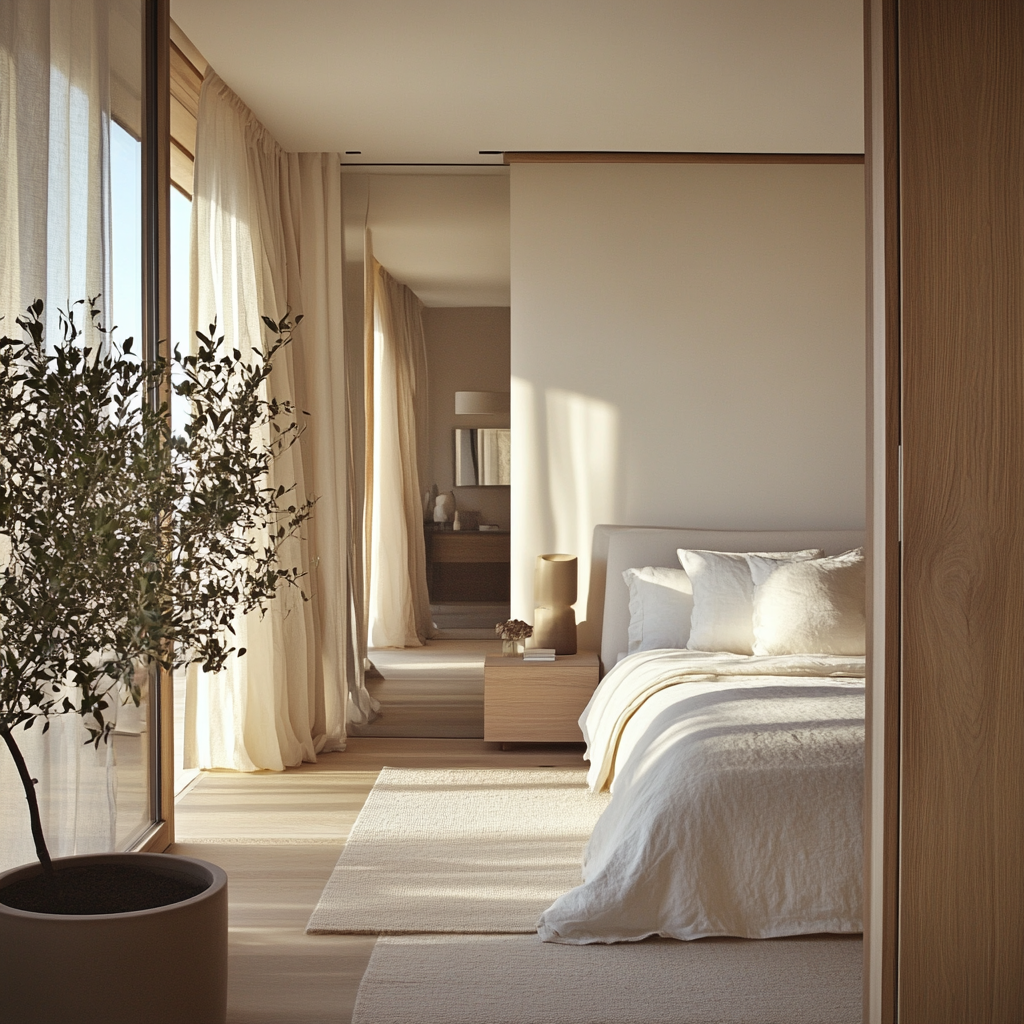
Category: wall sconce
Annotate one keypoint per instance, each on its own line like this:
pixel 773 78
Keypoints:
pixel 481 403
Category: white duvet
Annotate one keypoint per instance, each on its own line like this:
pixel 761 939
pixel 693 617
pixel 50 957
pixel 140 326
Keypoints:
pixel 737 790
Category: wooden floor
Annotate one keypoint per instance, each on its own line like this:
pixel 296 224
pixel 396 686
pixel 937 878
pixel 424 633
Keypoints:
pixel 436 690
pixel 278 836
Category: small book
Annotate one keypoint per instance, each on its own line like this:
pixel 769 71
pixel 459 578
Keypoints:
pixel 539 654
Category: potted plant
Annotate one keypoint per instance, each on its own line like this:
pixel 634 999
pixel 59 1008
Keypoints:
pixel 513 633
pixel 125 547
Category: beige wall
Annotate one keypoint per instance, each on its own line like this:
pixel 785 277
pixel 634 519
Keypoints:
pixel 687 350
pixel 467 350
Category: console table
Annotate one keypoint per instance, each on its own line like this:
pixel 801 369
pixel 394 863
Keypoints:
pixel 468 565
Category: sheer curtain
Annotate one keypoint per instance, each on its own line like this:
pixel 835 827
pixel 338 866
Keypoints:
pixel 398 604
pixel 266 238
pixel 55 245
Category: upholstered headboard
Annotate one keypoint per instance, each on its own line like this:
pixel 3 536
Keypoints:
pixel 617 548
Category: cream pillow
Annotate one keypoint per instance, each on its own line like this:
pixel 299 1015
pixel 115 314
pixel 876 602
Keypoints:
pixel 659 608
pixel 723 597
pixel 814 607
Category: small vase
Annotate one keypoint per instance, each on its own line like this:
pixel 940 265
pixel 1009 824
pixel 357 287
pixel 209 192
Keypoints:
pixel 510 648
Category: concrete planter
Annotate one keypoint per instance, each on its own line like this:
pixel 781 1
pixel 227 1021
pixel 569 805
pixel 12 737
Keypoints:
pixel 168 965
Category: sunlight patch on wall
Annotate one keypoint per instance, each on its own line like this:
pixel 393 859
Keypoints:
pixel 565 475
pixel 583 455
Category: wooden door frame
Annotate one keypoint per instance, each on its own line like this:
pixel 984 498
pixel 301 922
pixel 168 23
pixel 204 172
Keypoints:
pixel 881 864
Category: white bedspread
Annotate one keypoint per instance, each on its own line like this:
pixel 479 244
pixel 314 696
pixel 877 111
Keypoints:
pixel 737 789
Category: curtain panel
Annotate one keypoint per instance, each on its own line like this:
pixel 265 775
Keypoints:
pixel 266 239
pixel 398 612
pixel 55 235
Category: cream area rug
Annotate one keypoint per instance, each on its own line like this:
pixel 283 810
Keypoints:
pixel 517 979
pixel 460 850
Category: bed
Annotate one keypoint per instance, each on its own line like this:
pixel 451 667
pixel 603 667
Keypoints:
pixel 736 778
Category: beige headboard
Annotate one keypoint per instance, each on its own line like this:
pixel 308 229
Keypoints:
pixel 617 548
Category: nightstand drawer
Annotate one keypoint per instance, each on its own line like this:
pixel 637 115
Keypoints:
pixel 537 702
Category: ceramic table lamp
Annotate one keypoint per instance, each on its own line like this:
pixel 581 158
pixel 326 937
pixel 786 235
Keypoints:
pixel 554 590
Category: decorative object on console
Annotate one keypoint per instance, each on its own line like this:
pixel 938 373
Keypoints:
pixel 456 522
pixel 469 519
pixel 539 654
pixel 444 507
pixel 429 499
pixel 512 633
pixel 554 590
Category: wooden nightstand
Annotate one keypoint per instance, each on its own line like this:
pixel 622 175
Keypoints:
pixel 537 702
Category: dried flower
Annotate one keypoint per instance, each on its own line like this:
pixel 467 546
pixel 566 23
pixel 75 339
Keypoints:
pixel 514 629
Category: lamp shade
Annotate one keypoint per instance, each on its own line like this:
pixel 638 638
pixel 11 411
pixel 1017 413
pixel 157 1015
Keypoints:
pixel 481 403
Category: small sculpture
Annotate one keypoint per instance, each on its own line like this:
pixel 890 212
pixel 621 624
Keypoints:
pixel 444 507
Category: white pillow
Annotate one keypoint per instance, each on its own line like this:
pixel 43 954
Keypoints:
pixel 723 597
pixel 812 607
pixel 659 608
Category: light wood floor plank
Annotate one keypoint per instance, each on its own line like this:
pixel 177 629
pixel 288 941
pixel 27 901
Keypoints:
pixel 280 836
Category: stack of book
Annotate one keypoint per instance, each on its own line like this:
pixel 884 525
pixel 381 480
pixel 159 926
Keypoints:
pixel 539 654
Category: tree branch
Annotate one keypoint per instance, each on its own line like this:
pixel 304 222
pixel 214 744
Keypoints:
pixel 33 804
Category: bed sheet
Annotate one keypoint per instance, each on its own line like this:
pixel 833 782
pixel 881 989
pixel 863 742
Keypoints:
pixel 737 791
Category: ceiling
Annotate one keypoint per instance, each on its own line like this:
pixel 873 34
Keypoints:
pixel 436 81
pixel 445 236
pixel 439 80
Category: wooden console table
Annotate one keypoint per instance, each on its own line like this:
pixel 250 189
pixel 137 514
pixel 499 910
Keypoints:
pixel 468 565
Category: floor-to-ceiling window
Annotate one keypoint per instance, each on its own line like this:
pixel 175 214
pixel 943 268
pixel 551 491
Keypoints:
pixel 71 199
pixel 131 739
pixel 181 216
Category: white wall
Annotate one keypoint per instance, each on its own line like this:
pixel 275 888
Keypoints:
pixel 467 350
pixel 687 350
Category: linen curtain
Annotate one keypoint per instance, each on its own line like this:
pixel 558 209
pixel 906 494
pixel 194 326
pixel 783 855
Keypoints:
pixel 398 603
pixel 266 238
pixel 55 245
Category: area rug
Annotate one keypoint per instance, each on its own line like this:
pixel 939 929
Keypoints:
pixel 517 979
pixel 460 850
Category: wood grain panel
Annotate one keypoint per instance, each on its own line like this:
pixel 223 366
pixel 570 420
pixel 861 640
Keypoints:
pixel 537 702
pixel 457 582
pixel 183 127
pixel 961 924
pixel 182 170
pixel 468 546
pixel 186 82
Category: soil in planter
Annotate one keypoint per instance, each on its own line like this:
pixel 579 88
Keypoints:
pixel 99 889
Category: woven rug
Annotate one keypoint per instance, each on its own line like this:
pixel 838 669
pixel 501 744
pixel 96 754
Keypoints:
pixel 517 979
pixel 460 850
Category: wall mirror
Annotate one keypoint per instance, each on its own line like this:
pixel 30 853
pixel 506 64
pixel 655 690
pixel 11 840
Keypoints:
pixel 482 457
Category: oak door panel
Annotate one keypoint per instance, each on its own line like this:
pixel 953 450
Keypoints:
pixel 961 918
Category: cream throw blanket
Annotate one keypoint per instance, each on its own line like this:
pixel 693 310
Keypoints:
pixel 736 805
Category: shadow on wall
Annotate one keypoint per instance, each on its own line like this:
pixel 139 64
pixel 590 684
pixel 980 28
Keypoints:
pixel 556 506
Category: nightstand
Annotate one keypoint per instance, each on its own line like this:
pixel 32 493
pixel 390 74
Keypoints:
pixel 537 701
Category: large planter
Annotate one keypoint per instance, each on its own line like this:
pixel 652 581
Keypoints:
pixel 167 965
